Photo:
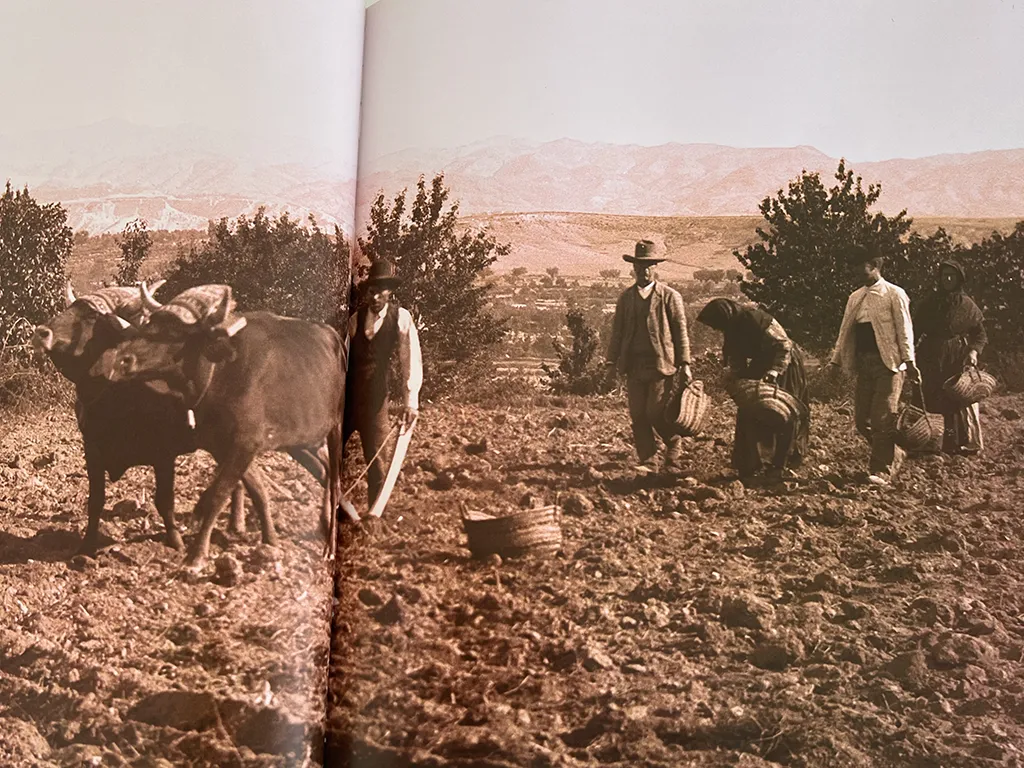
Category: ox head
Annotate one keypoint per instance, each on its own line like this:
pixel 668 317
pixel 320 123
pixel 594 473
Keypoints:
pixel 88 326
pixel 166 350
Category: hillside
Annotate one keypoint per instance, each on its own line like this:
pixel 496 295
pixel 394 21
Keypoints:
pixel 582 244
pixel 690 179
pixel 176 178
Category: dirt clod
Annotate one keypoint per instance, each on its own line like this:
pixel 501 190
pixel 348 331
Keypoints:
pixel 227 570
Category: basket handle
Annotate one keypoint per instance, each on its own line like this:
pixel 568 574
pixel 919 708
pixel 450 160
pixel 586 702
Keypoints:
pixel 918 387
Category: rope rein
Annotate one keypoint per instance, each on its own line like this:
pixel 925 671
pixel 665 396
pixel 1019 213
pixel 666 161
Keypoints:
pixel 383 445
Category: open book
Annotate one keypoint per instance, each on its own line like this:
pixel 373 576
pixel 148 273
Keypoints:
pixel 445 382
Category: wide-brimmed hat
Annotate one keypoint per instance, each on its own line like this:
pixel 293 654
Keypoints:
pixel 382 273
pixel 645 252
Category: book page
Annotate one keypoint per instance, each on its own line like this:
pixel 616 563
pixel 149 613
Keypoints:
pixel 174 267
pixel 641 519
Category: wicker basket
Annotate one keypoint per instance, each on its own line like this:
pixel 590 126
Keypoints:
pixel 970 387
pixel 687 411
pixel 530 532
pixel 769 404
pixel 915 428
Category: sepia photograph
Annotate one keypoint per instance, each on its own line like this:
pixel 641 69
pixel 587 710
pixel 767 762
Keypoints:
pixel 716 458
pixel 431 383
pixel 175 231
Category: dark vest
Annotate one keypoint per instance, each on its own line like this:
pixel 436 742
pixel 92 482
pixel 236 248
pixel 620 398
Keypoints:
pixel 641 353
pixel 371 358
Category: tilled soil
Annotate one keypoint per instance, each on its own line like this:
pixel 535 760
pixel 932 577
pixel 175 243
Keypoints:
pixel 695 622
pixel 126 659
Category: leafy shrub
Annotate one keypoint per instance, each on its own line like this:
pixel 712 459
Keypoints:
pixel 581 369
pixel 135 244
pixel 800 272
pixel 271 264
pixel 35 242
pixel 440 264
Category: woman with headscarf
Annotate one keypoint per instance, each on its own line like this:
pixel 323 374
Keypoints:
pixel 951 335
pixel 756 347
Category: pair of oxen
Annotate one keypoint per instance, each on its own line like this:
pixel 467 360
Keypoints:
pixel 155 381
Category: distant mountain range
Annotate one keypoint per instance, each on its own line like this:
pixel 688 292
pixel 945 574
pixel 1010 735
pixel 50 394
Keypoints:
pixel 510 175
pixel 181 177
pixel 176 178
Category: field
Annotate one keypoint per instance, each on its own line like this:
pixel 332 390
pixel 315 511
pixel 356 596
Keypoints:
pixel 691 622
pixel 582 244
pixel 817 623
pixel 127 660
pixel 694 622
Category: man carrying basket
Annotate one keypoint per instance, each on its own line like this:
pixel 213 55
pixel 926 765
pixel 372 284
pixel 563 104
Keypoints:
pixel 876 344
pixel 650 345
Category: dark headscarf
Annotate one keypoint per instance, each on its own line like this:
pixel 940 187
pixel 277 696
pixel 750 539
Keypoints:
pixel 955 265
pixel 944 314
pixel 720 314
pixel 742 326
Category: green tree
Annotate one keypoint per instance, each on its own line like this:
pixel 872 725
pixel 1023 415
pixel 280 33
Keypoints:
pixel 800 271
pixel 35 243
pixel 439 264
pixel 271 264
pixel 135 244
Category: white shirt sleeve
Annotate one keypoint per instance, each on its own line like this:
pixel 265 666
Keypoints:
pixel 410 358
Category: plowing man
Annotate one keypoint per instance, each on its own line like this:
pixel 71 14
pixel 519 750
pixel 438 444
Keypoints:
pixel 378 331
pixel 650 345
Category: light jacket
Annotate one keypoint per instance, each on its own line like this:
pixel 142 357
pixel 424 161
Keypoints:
pixel 666 324
pixel 890 319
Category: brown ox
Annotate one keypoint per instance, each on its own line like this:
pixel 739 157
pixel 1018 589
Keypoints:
pixel 253 383
pixel 126 425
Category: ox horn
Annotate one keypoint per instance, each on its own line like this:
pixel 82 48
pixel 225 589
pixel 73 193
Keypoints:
pixel 69 293
pixel 236 326
pixel 121 321
pixel 148 301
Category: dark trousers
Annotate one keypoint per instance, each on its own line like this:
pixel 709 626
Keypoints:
pixel 878 394
pixel 369 417
pixel 752 440
pixel 647 392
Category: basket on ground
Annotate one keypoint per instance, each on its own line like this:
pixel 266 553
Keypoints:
pixel 529 532
pixel 970 387
pixel 769 404
pixel 687 410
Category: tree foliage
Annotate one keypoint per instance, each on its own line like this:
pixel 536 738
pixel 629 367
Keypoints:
pixel 440 266
pixel 271 264
pixel 995 280
pixel 580 369
pixel 35 243
pixel 800 271
pixel 135 244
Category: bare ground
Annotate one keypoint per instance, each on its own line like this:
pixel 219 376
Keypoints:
pixel 127 660
pixel 823 623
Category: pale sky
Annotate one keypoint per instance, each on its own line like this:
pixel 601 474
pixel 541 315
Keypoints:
pixel 864 79
pixel 280 71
